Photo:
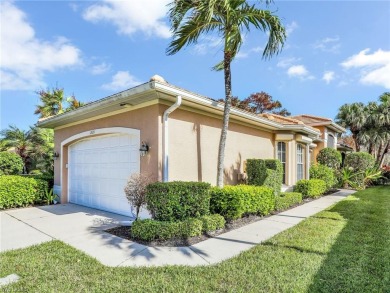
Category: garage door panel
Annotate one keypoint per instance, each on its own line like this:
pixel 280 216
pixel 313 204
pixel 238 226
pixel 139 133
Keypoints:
pixel 99 169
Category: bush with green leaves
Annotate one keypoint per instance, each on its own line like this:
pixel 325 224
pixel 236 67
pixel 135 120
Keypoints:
pixel 17 191
pixel 149 230
pixel 310 188
pixel 233 202
pixel 212 222
pixel 287 199
pixel 172 201
pixel 256 170
pixel 274 177
pixel 359 162
pixel 329 157
pixel 10 164
pixel 325 173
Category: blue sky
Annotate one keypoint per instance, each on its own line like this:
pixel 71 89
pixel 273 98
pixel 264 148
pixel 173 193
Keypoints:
pixel 337 52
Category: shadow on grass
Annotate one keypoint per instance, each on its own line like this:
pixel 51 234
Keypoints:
pixel 359 260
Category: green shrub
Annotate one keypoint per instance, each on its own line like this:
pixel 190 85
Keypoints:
pixel 16 191
pixel 274 177
pixel 329 157
pixel 170 201
pixel 324 173
pixel 10 164
pixel 310 188
pixel 286 200
pixel 232 202
pixel 256 171
pixel 212 222
pixel 359 162
pixel 46 177
pixel 149 230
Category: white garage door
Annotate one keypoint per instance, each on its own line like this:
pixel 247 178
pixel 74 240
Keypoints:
pixel 99 169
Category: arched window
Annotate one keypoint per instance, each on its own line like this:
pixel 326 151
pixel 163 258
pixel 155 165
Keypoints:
pixel 330 141
pixel 300 159
pixel 282 158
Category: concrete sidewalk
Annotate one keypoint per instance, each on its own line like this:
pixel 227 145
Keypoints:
pixel 83 228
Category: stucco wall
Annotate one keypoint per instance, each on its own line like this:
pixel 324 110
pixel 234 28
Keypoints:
pixel 145 119
pixel 194 140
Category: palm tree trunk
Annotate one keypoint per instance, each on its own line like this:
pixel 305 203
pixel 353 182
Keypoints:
pixel 226 114
pixel 378 155
pixel 382 156
pixel 355 138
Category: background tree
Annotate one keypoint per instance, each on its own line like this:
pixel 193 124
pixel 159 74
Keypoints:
pixel 52 103
pixel 229 19
pixel 31 145
pixel 135 190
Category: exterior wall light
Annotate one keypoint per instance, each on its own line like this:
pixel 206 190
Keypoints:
pixel 144 149
pixel 56 155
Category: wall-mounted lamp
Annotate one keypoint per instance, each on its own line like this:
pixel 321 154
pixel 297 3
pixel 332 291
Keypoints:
pixel 56 155
pixel 144 149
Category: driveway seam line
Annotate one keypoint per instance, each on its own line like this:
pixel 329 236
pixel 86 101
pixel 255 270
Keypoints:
pixel 53 238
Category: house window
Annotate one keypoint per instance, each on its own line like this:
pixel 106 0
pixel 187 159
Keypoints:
pixel 330 141
pixel 300 174
pixel 282 158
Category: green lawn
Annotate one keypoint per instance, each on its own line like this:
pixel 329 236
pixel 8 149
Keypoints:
pixel 343 249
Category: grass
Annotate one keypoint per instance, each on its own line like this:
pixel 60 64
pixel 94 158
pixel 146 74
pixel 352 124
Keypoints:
pixel 345 248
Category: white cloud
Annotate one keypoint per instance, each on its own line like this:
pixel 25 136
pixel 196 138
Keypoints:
pixel 120 81
pixel 287 62
pixel 299 71
pixel 291 27
pixel 25 58
pixel 331 45
pixel 328 76
pixel 129 17
pixel 205 44
pixel 245 54
pixel 374 68
pixel 100 68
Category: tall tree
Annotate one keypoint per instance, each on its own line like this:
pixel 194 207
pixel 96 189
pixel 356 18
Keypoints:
pixel 52 103
pixel 353 117
pixel 229 19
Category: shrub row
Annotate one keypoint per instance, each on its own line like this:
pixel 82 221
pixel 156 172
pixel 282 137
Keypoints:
pixel 287 199
pixel 232 202
pixel 265 172
pixel 149 230
pixel 17 191
pixel 329 157
pixel 310 188
pixel 172 201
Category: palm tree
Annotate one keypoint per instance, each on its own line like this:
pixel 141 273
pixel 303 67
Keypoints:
pixel 51 102
pixel 353 116
pixel 23 143
pixel 229 19
pixel 73 103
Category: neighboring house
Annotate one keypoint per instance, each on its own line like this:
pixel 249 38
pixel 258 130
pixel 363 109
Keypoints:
pixel 100 144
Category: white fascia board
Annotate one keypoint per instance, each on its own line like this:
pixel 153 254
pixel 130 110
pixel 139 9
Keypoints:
pixel 300 127
pixel 213 104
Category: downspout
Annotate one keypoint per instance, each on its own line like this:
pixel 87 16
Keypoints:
pixel 166 137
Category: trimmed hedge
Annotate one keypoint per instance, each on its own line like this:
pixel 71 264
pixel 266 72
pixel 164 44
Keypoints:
pixel 46 177
pixel 232 202
pixel 17 191
pixel 172 201
pixel 212 222
pixel 287 199
pixel 149 230
pixel 324 173
pixel 10 164
pixel 256 170
pixel 310 188
pixel 329 157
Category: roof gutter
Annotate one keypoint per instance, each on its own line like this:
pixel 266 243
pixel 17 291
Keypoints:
pixel 166 137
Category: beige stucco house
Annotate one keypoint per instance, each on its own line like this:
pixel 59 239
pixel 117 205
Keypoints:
pixel 172 134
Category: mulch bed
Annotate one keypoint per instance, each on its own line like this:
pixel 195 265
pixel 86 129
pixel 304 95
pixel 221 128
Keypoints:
pixel 125 231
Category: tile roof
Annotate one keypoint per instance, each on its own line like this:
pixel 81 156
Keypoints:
pixel 311 119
